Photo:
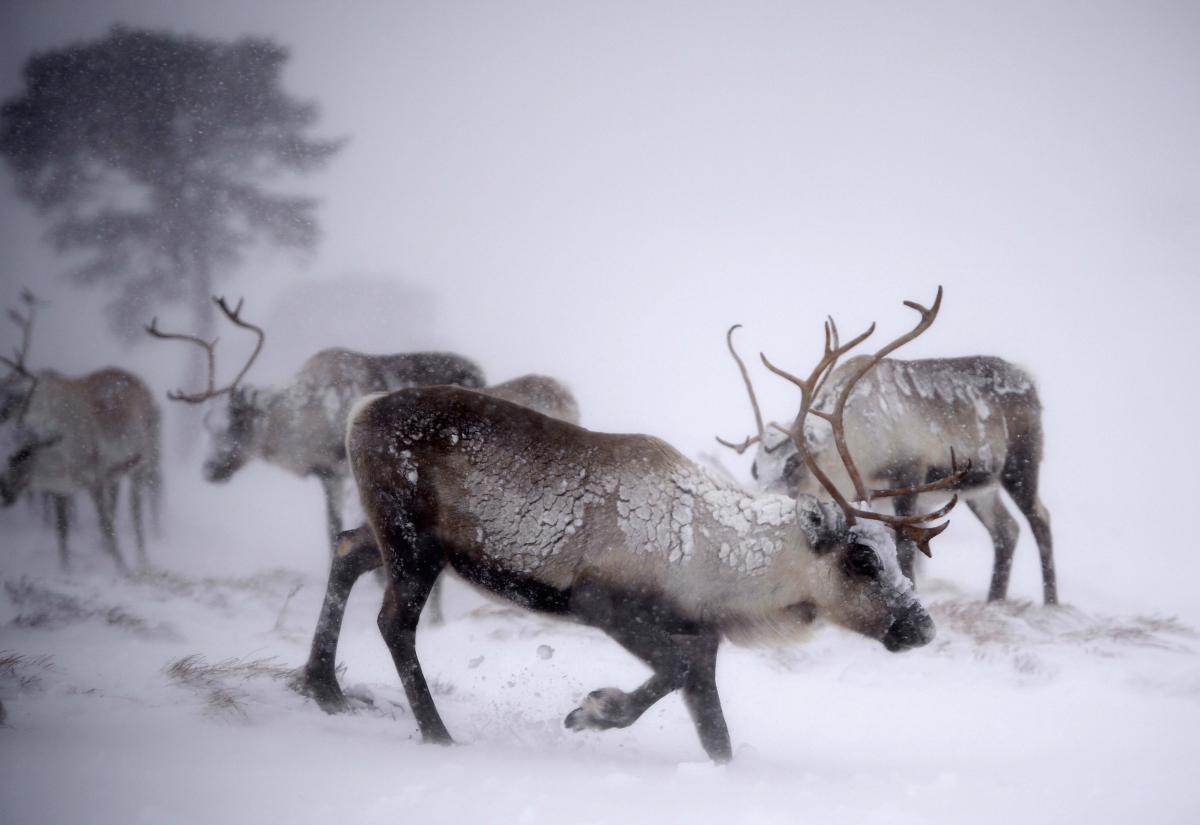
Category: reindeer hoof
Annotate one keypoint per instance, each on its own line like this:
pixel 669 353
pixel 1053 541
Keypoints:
pixel 322 690
pixel 601 710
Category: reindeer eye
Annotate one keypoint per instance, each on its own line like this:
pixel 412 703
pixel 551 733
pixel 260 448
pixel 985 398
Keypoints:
pixel 791 465
pixel 862 561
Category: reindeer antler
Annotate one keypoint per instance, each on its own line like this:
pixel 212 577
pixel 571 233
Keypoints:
pixel 749 441
pixel 25 322
pixel 233 315
pixel 180 395
pixel 908 526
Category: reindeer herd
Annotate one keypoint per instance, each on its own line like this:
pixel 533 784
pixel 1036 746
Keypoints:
pixel 620 532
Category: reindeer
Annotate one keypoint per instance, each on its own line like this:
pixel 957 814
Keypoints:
pixel 620 532
pixel 900 415
pixel 80 433
pixel 356 553
pixel 299 426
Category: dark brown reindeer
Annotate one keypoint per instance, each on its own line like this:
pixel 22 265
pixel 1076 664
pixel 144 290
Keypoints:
pixel 356 553
pixel 299 426
pixel 86 433
pixel 899 416
pixel 620 532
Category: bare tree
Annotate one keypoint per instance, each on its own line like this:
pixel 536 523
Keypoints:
pixel 147 153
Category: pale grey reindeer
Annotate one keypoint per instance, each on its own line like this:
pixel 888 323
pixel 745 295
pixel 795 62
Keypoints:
pixel 620 532
pixel 85 433
pixel 355 552
pixel 900 415
pixel 299 426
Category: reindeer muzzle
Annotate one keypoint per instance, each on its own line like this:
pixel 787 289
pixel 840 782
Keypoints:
pixel 912 628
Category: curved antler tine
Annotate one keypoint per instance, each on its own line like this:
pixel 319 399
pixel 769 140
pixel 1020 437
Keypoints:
pixel 208 347
pixel 750 441
pixel 235 316
pixel 921 536
pixel 758 422
pixel 908 521
pixel 931 311
pixel 782 373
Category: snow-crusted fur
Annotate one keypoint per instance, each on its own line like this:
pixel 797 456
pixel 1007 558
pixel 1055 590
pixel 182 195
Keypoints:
pixel 619 531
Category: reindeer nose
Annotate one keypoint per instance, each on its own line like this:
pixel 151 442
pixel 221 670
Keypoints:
pixel 912 628
pixel 217 471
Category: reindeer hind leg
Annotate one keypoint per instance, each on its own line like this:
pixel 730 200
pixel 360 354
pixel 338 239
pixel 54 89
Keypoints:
pixel 413 566
pixel 1020 479
pixel 355 553
pixel 104 497
pixel 1003 529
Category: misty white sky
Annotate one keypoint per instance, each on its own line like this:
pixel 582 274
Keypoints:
pixel 597 191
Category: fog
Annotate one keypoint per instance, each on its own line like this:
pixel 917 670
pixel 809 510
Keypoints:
pixel 598 191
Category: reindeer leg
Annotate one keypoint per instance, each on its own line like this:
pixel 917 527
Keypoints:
pixel 681 654
pixel 135 511
pixel 413 567
pixel 905 547
pixel 356 553
pixel 62 523
pixel 104 511
pixel 1020 479
pixel 701 697
pixel 1004 530
pixel 333 486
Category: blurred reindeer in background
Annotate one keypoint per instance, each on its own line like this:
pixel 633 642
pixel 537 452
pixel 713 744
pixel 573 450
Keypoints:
pixel 68 434
pixel 900 415
pixel 300 425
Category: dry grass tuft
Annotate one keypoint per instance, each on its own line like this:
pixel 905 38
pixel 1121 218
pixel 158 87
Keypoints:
pixel 212 681
pixel 19 672
pixel 40 607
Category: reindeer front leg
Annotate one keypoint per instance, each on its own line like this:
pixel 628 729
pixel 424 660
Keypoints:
pixel 682 655
pixel 332 484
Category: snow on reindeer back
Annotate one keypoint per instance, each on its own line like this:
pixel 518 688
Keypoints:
pixel 529 515
pixel 896 390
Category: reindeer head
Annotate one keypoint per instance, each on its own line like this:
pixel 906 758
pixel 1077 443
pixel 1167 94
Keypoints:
pixel 858 582
pixel 233 424
pixel 868 593
pixel 21 466
pixel 235 431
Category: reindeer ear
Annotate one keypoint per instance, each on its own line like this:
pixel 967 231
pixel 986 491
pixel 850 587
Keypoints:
pixel 823 523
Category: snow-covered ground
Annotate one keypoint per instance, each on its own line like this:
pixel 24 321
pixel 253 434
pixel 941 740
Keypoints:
pixel 165 699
